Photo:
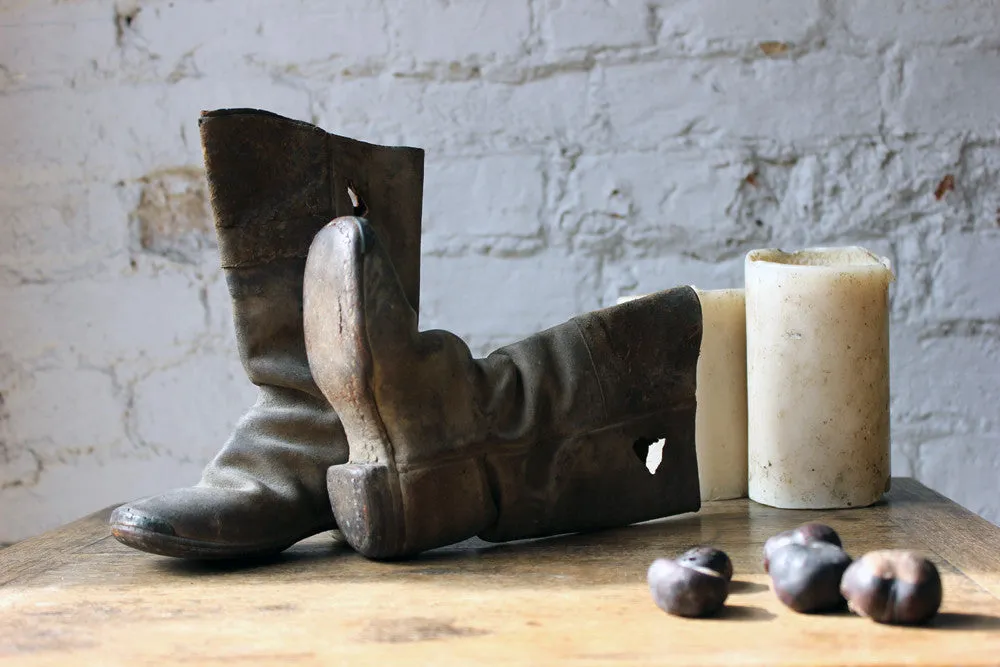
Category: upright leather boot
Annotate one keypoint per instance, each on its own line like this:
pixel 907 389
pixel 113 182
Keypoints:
pixel 274 183
pixel 542 437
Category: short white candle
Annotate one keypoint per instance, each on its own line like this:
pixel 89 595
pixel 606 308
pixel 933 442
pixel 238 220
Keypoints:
pixel 721 394
pixel 818 377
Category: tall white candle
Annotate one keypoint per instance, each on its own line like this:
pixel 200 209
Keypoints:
pixel 818 377
pixel 721 394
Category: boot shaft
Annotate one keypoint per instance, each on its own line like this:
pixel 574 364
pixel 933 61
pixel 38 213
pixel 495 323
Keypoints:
pixel 274 182
pixel 643 352
pixel 591 373
pixel 596 370
pixel 633 371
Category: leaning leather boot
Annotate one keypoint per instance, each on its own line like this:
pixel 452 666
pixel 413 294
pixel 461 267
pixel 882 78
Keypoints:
pixel 544 436
pixel 274 183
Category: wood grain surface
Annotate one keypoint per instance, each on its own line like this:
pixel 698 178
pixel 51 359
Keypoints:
pixel 76 597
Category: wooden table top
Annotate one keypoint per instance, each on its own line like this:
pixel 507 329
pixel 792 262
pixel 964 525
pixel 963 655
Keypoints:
pixel 76 596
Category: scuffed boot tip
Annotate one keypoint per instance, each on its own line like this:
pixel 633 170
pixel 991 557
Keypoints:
pixel 142 532
pixel 156 536
pixel 124 520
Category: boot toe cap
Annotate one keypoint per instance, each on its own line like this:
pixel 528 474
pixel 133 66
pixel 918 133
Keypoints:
pixel 130 519
pixel 209 523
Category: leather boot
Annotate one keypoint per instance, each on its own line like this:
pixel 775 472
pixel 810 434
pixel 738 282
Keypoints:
pixel 542 437
pixel 274 182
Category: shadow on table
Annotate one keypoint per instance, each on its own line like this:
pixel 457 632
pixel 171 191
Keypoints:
pixel 742 613
pixel 961 621
pixel 738 587
pixel 615 556
pixel 315 553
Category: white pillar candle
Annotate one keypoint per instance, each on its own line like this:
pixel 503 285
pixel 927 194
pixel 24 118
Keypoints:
pixel 818 377
pixel 721 415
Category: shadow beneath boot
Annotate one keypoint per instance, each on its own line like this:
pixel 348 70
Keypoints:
pixel 307 555
pixel 600 558
pixel 607 557
pixel 662 537
pixel 603 557
pixel 640 541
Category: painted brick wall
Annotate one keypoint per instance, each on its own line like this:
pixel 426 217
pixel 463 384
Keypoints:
pixel 577 151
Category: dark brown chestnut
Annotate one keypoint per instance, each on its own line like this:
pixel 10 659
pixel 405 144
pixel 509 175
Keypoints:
pixel 807 533
pixel 710 557
pixel 806 577
pixel 686 590
pixel 893 586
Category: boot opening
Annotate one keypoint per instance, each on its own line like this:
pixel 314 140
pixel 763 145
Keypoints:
pixel 649 451
pixel 360 207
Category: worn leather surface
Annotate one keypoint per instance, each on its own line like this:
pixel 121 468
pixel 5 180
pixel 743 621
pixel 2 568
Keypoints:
pixel 557 424
pixel 274 182
pixel 643 355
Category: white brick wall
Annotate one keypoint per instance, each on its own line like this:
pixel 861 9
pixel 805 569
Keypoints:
pixel 966 277
pixel 459 32
pixel 700 26
pixel 595 24
pixel 951 92
pixel 922 22
pixel 578 150
pixel 495 195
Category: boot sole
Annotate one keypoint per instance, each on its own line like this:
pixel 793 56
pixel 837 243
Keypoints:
pixel 384 512
pixel 189 549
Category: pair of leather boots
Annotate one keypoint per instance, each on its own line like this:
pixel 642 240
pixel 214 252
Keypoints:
pixel 398 437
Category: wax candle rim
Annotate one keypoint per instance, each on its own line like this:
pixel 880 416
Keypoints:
pixel 718 290
pixel 730 291
pixel 841 257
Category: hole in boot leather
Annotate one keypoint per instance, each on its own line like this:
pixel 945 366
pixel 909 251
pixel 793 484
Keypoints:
pixel 360 207
pixel 649 452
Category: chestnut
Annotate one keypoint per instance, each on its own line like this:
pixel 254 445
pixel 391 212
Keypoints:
pixel 686 590
pixel 893 586
pixel 806 577
pixel 807 533
pixel 710 557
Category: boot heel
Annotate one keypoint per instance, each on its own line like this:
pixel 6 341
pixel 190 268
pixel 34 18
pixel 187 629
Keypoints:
pixel 443 504
pixel 365 500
